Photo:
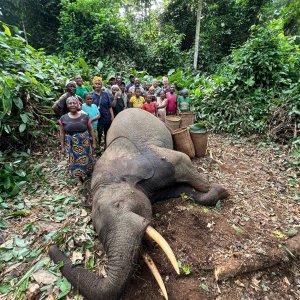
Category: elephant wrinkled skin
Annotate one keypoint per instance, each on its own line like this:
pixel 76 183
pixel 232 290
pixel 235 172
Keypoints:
pixel 137 169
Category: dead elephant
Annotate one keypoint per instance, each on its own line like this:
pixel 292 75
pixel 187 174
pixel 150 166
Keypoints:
pixel 137 169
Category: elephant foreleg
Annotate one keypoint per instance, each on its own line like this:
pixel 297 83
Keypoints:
pixel 186 174
pixel 210 198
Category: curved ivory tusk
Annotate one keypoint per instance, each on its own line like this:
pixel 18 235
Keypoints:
pixel 151 265
pixel 163 244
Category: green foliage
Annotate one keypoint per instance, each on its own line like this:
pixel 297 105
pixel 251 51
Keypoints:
pixel 95 29
pixel 288 12
pixel 30 81
pixel 224 24
pixel 162 48
pixel 254 84
pixel 16 170
pixel 36 19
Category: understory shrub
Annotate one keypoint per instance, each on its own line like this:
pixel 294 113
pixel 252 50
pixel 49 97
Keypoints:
pixel 256 89
pixel 30 82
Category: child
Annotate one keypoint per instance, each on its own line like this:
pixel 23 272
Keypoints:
pixel 91 109
pixel 150 106
pixel 184 101
pixel 152 92
pixel 137 101
pixel 80 88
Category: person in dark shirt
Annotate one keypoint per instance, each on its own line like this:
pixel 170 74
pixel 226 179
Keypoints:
pixel 104 104
pixel 118 101
pixel 130 84
pixel 119 80
pixel 75 133
pixel 60 106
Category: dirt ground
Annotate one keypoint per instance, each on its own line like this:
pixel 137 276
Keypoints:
pixel 260 214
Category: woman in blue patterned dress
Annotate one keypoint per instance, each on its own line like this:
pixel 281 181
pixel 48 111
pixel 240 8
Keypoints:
pixel 75 132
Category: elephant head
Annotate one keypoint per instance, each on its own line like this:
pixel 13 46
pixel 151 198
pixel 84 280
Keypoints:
pixel 121 225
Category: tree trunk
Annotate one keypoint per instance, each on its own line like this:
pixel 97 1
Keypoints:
pixel 24 30
pixel 197 36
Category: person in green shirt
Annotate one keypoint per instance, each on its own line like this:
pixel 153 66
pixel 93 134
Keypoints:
pixel 184 101
pixel 80 88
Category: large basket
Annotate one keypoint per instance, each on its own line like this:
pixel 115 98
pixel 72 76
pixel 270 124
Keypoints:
pixel 183 142
pixel 200 143
pixel 187 118
pixel 172 122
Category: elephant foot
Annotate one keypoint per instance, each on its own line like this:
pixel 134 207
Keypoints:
pixel 215 193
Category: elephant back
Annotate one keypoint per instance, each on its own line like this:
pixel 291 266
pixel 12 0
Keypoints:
pixel 140 127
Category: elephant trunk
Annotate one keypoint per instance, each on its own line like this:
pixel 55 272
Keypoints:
pixel 122 251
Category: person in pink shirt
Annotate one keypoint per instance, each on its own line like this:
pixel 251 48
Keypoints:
pixel 172 101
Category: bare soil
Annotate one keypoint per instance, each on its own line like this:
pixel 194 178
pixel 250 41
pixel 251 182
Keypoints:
pixel 260 214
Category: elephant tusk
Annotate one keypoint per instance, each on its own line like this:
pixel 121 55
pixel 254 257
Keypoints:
pixel 151 265
pixel 163 244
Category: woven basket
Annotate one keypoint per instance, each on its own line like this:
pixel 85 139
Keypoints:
pixel 172 122
pixel 183 142
pixel 187 119
pixel 200 143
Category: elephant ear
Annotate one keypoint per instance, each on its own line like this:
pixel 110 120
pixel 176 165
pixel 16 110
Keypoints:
pixel 126 161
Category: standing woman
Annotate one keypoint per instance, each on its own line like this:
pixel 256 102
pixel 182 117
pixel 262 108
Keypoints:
pixel 75 133
pixel 104 104
pixel 184 101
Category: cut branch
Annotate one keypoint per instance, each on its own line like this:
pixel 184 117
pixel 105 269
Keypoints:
pixel 244 264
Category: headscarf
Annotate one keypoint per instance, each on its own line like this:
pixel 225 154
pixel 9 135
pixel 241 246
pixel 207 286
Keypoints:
pixel 97 78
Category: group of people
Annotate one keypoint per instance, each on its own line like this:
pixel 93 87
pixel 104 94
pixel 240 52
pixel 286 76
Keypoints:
pixel 82 113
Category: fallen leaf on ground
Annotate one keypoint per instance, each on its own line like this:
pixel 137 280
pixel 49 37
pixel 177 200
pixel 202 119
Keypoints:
pixel 76 256
pixel 45 277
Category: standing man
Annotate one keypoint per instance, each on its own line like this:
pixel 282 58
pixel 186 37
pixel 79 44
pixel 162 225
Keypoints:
pixel 60 106
pixel 130 84
pixel 157 88
pixel 166 86
pixel 119 80
pixel 137 84
pixel 111 82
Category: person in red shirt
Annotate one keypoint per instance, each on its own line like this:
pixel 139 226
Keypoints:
pixel 150 106
pixel 172 101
